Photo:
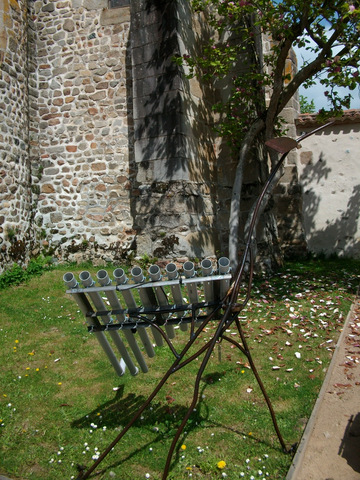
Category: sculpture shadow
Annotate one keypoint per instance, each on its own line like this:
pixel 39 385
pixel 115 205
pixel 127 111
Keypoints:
pixel 350 445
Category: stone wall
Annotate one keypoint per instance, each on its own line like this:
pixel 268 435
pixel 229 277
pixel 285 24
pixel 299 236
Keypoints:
pixel 118 146
pixel 15 193
pixel 111 148
pixel 82 128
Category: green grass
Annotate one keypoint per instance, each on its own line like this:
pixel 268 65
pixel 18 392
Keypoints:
pixel 61 403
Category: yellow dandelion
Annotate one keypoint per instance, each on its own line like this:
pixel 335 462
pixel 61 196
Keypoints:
pixel 183 447
pixel 59 383
pixel 37 369
pixel 31 353
pixel 16 341
pixel 221 464
pixel 27 368
pixel 188 468
pixel 250 433
pixel 242 371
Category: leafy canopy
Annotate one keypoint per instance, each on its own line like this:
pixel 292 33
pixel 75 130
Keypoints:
pixel 306 106
pixel 329 29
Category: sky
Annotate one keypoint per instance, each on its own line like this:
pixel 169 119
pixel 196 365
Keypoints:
pixel 316 92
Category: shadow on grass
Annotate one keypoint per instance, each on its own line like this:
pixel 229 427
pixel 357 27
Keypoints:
pixel 119 411
pixel 163 417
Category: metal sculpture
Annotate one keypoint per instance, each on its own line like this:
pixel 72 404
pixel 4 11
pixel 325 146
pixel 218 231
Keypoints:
pixel 224 310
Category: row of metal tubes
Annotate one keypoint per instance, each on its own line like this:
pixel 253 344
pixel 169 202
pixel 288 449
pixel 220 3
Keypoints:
pixel 98 303
pixel 120 317
pixel 148 300
pixel 129 299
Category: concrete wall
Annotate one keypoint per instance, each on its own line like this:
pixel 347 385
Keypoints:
pixel 328 168
pixel 172 204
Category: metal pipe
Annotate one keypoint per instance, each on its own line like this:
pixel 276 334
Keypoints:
pixel 189 272
pixel 70 280
pixel 173 274
pixel 148 299
pixel 224 268
pixel 207 270
pixel 121 280
pixel 95 297
pixel 85 307
pixel 120 276
pixel 206 267
pixel 137 275
pixel 85 279
pixel 155 276
pixel 104 280
pixel 154 273
pixel 224 265
pixel 171 271
pixel 189 269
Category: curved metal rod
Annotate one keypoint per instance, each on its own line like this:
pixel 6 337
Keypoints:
pixel 195 398
pixel 245 350
pixel 162 333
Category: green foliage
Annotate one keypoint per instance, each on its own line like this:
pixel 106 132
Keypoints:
pixel 146 260
pixel 16 274
pixel 11 233
pixel 238 30
pixel 306 106
pixel 13 276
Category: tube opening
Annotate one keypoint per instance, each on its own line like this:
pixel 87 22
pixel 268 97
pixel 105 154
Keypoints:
pixel 189 269
pixel 68 277
pixel 224 265
pixel 119 276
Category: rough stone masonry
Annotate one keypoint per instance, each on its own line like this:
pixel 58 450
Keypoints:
pixel 106 147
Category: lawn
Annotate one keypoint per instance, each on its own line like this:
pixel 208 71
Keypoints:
pixel 61 403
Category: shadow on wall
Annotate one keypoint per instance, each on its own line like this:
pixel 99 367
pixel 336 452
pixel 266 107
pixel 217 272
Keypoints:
pixel 174 169
pixel 329 227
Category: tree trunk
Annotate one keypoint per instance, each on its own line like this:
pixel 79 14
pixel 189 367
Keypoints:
pixel 234 220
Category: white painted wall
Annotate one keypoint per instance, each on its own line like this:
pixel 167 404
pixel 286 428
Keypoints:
pixel 329 175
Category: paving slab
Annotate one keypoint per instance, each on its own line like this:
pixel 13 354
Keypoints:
pixel 330 445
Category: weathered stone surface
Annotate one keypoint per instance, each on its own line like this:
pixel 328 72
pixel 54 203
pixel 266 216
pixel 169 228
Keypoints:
pixel 92 176
pixel 47 188
pixel 69 25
